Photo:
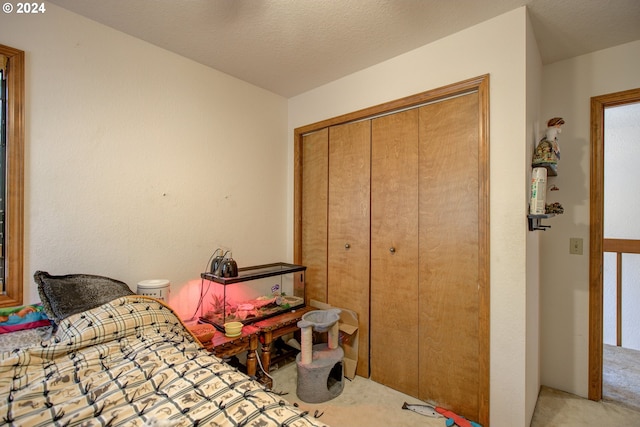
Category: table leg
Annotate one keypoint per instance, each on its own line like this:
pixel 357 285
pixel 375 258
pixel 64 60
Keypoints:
pixel 267 337
pixel 251 355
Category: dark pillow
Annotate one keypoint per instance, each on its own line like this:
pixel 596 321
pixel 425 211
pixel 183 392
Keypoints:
pixel 65 295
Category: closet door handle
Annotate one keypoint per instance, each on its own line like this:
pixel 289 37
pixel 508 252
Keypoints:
pixel 347 246
pixel 392 250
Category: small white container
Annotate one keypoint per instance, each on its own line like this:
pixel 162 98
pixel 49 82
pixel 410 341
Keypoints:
pixel 233 329
pixel 156 288
pixel 538 191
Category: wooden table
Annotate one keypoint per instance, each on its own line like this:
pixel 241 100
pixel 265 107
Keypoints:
pixel 225 347
pixel 265 331
pixel 273 328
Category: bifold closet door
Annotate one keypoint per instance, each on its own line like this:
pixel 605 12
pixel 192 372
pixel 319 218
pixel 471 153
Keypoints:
pixel 394 251
pixel 349 227
pixel 315 187
pixel 449 253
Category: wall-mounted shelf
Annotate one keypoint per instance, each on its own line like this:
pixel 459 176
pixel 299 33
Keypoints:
pixel 552 168
pixel 535 221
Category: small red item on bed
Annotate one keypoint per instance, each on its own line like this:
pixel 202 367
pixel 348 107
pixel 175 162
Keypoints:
pixel 20 318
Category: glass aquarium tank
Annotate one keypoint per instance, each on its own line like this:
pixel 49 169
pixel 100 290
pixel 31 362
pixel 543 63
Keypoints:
pixel 257 293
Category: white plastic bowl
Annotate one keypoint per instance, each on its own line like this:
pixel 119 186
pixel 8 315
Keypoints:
pixel 233 328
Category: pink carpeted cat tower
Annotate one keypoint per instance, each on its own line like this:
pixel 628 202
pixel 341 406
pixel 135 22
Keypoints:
pixel 320 366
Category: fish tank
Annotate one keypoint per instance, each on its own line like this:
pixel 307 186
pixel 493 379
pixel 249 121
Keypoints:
pixel 257 293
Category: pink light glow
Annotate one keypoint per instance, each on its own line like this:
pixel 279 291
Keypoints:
pixel 185 300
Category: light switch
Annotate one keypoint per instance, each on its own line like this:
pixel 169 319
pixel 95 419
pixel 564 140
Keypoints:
pixel 575 246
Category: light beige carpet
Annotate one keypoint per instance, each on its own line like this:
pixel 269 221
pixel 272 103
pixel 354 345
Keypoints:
pixel 621 376
pixel 364 403
pixel 559 409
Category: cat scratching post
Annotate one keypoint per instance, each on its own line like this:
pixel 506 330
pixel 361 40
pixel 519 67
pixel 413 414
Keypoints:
pixel 320 367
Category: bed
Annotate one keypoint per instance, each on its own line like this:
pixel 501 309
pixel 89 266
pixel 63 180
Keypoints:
pixel 130 362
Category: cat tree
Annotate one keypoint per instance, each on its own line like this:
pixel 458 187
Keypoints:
pixel 320 366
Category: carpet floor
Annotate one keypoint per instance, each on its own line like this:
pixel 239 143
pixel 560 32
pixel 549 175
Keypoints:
pixel 621 376
pixel 364 403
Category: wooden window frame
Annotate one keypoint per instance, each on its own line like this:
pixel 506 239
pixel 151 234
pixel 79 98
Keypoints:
pixel 596 233
pixel 14 215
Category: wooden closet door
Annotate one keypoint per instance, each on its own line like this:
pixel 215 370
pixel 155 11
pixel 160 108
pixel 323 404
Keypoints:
pixel 349 221
pixel 394 251
pixel 449 253
pixel 315 188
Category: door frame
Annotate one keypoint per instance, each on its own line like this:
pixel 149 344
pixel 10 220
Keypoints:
pixel 596 232
pixel 481 85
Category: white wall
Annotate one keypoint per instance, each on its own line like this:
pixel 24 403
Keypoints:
pixel 567 88
pixel 621 207
pixel 497 47
pixel 139 162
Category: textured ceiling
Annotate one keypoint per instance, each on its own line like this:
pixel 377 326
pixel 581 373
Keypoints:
pixel 291 46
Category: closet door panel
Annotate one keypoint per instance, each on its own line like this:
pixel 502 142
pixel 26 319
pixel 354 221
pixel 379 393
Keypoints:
pixel 315 188
pixel 449 253
pixel 349 226
pixel 394 251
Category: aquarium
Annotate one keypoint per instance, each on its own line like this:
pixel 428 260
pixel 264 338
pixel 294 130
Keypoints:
pixel 256 293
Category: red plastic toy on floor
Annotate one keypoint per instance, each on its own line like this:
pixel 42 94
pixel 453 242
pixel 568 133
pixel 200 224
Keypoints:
pixel 436 411
pixel 455 419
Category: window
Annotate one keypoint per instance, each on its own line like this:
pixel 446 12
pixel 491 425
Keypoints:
pixel 11 175
pixel 3 162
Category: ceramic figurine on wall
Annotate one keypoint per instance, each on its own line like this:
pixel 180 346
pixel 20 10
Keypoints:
pixel 548 151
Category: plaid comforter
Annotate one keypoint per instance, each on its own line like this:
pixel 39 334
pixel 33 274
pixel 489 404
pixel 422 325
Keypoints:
pixel 127 363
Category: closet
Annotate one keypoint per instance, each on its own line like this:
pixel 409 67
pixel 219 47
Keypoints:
pixel 391 220
pixel 349 226
pixel 394 310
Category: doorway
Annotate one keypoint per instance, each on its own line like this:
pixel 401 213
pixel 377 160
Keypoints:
pixel 598 243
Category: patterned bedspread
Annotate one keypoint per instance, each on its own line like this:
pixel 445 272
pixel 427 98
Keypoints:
pixel 129 362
